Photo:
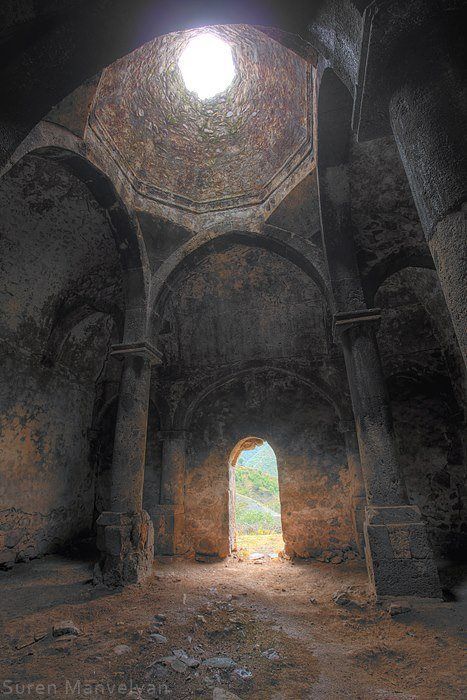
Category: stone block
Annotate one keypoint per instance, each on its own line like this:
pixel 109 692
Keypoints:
pixel 126 543
pixel 387 515
pixel 399 558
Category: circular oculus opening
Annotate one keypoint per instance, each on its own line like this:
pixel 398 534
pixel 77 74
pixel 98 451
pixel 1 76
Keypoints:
pixel 207 66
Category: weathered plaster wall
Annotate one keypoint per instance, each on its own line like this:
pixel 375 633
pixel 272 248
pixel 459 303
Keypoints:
pixel 241 305
pixel 313 475
pixel 428 413
pixel 236 309
pixel 388 233
pixel 56 253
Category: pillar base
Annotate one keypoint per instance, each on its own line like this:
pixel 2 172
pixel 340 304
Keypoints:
pixel 126 543
pixel 398 556
pixel 169 527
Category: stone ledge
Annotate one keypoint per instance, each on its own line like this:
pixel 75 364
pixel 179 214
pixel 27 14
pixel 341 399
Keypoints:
pixel 142 349
pixel 345 320
pixel 390 515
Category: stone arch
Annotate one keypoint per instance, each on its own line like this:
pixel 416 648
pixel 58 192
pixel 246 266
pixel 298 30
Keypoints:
pixel 300 252
pixel 68 317
pixel 187 405
pixel 390 265
pixel 56 143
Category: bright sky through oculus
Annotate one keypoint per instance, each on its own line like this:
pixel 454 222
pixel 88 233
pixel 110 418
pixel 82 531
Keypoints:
pixel 207 65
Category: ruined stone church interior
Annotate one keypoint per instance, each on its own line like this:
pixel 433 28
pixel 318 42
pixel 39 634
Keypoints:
pixel 233 274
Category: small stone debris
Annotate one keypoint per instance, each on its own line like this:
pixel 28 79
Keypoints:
pixel 271 654
pixel 159 618
pixel 398 609
pixel 219 662
pixel 343 599
pixel 222 694
pixel 178 665
pixel 121 649
pixel 158 638
pixel 67 628
pixel 313 601
pixel 243 673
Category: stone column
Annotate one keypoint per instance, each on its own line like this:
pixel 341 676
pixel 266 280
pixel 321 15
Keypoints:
pixel 169 515
pixel 427 116
pixel 399 558
pixel 358 497
pixel 125 535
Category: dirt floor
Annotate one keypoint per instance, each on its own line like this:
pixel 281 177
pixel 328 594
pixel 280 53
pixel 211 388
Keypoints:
pixel 271 543
pixel 273 628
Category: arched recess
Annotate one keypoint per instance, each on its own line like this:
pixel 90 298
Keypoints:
pixel 389 265
pixel 71 257
pixel 301 425
pixel 187 405
pixel 69 316
pixel 55 143
pixel 300 252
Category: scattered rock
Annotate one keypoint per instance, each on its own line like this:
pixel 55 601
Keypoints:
pixel 159 670
pixel 221 694
pixel 219 662
pixel 243 673
pixel 398 609
pixel 336 560
pixel 271 654
pixel 121 649
pixel 313 601
pixel 158 638
pixel 179 666
pixel 160 618
pixel 343 598
pixel 65 628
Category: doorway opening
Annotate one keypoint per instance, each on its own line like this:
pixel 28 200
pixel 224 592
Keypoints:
pixel 254 500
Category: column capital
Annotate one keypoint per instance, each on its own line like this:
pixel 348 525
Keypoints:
pixel 345 320
pixel 141 349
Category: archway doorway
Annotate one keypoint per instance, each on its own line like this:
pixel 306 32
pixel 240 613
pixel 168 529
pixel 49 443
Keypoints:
pixel 255 527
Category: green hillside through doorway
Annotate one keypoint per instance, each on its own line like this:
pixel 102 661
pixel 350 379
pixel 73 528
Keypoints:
pixel 257 502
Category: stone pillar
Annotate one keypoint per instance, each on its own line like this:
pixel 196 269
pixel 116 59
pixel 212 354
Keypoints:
pixel 358 497
pixel 169 515
pixel 125 535
pixel 427 116
pixel 399 558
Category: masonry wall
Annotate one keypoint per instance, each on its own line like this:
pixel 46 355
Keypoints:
pixel 313 475
pixel 427 387
pixel 56 253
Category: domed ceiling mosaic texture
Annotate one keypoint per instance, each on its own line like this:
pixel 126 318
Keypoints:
pixel 233 149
